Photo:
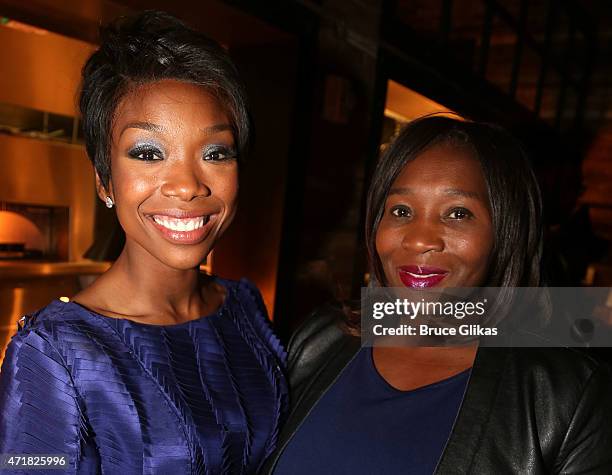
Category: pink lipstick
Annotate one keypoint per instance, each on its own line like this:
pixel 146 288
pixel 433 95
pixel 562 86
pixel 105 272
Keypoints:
pixel 420 277
pixel 181 229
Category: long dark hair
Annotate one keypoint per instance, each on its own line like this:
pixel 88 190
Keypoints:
pixel 514 195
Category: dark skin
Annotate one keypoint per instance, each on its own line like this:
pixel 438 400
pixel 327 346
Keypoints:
pixel 437 214
pixel 173 165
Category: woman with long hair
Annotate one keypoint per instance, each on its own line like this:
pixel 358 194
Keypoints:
pixel 154 368
pixel 452 204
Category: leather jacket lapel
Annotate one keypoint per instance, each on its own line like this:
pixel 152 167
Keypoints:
pixel 471 423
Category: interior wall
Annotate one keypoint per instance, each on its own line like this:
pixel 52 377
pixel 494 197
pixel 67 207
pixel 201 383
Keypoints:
pixel 54 174
pixel 251 246
pixel 41 70
pixel 81 18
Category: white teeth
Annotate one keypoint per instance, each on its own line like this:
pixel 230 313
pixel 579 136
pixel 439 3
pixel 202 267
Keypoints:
pixel 421 276
pixel 185 224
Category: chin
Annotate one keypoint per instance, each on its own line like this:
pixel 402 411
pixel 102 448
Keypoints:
pixel 184 260
pixel 183 264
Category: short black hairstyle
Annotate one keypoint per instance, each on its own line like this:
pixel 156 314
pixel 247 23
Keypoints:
pixel 514 194
pixel 145 48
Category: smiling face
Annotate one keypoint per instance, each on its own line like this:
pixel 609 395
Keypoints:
pixel 174 174
pixel 436 229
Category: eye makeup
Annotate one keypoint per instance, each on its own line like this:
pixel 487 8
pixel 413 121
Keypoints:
pixel 147 152
pixel 219 153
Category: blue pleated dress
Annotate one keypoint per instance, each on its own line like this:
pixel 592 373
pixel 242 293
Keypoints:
pixel 120 397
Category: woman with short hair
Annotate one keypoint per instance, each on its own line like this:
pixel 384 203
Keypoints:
pixel 154 368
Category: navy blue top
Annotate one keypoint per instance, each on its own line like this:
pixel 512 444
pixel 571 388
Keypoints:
pixel 362 425
pixel 121 397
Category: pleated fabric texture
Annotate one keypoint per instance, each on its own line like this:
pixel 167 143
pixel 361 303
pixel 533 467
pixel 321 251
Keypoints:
pixel 120 397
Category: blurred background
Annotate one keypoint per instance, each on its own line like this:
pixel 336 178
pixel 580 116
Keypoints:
pixel 331 82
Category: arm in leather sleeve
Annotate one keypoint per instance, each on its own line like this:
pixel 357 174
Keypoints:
pixel 587 446
pixel 311 342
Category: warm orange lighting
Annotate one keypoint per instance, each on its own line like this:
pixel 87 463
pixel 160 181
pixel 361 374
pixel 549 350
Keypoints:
pixel 17 25
pixel 15 228
pixel 404 104
pixel 8 330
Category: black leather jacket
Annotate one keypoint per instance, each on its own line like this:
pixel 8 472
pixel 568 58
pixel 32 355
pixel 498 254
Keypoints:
pixel 525 411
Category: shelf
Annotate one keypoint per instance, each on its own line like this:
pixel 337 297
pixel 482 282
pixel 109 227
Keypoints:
pixel 21 269
pixel 10 269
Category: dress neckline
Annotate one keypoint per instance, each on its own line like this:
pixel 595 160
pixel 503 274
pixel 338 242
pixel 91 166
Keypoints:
pixel 98 315
pixel 372 369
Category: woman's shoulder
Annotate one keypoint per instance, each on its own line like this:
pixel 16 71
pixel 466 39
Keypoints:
pixel 244 294
pixel 556 399
pixel 558 363
pixel 242 289
pixel 554 380
pixel 49 319
pixel 318 340
pixel 322 329
pixel 248 310
pixel 48 329
pixel 41 337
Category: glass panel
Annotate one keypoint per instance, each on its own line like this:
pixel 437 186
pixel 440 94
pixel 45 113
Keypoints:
pixel 570 104
pixel 466 33
pixel 422 16
pixel 537 12
pixel 560 36
pixel 529 73
pixel 501 54
pixel 577 61
pixel 550 96
pixel 511 6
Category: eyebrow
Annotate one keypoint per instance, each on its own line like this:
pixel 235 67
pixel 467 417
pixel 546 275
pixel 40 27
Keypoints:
pixel 402 190
pixel 214 129
pixel 463 193
pixel 150 127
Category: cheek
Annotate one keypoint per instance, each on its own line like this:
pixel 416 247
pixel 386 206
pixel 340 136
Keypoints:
pixel 474 250
pixel 225 187
pixel 387 241
pixel 131 182
pixel 135 187
pixel 131 189
pixel 223 184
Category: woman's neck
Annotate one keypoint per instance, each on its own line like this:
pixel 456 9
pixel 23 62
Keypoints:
pixel 411 368
pixel 140 287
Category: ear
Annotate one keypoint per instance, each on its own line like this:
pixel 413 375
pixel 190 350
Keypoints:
pixel 102 190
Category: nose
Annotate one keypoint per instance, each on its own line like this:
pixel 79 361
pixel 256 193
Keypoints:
pixel 422 236
pixel 184 180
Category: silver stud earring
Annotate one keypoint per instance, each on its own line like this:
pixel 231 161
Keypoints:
pixel 109 202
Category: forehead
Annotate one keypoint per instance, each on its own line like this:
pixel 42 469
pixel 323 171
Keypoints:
pixel 444 166
pixel 169 101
